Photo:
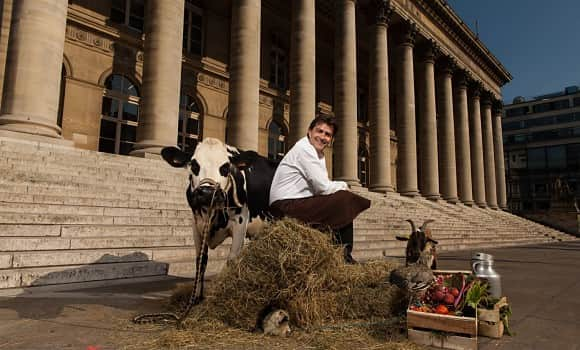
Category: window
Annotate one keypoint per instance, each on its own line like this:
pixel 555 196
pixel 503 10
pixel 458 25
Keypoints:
pixel 361 106
pixel 129 13
pixel 556 157
pixel 363 166
pixel 542 107
pixel 576 101
pixel 573 157
pixel 278 65
pixel 276 141
pixel 119 115
pixel 192 29
pixel 536 158
pixel 514 112
pixel 540 189
pixel 561 104
pixel 188 130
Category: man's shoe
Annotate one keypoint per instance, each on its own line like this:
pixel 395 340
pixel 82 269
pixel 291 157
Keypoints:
pixel 348 259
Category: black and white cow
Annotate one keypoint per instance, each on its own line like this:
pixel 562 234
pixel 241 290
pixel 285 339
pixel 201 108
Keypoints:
pixel 234 183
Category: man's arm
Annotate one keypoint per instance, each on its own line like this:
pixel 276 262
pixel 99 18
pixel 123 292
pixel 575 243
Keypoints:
pixel 317 176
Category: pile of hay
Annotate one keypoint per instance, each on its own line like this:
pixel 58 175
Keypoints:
pixel 297 268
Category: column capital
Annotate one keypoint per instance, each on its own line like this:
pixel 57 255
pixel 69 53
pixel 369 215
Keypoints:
pixel 461 80
pixel 476 88
pixel 383 12
pixel 407 33
pixel 486 98
pixel 497 108
pixel 430 51
pixel 447 65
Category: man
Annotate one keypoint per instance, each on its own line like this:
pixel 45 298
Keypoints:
pixel 302 190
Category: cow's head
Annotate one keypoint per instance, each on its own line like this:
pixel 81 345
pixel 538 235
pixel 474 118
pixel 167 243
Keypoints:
pixel 420 245
pixel 209 168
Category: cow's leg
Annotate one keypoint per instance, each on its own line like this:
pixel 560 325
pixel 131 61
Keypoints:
pixel 239 233
pixel 218 237
pixel 197 221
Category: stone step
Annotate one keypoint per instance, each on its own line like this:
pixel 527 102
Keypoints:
pixel 101 199
pixel 11 244
pixel 38 276
pixel 93 171
pixel 38 186
pixel 64 219
pixel 34 208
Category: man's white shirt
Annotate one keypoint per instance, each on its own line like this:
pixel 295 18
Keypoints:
pixel 302 173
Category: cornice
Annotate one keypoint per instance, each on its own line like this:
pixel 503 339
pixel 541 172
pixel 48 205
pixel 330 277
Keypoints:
pixel 457 29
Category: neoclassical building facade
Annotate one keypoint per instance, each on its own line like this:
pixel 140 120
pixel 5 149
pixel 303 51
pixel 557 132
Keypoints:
pixel 415 92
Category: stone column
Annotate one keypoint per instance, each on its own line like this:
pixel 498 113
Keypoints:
pixel 462 152
pixel 158 120
pixel 428 124
pixel 302 69
pixel 446 134
pixel 379 123
pixel 499 158
pixel 488 156
pixel 477 167
pixel 405 113
pixel 345 93
pixel 243 109
pixel 33 67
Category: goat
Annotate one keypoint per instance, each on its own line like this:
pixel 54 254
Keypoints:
pixel 420 245
pixel 420 260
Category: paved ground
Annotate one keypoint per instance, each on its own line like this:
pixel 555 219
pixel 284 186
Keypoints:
pixel 542 283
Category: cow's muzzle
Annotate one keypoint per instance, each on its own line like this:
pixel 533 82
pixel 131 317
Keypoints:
pixel 209 194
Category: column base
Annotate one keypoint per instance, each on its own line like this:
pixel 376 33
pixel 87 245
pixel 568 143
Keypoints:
pixel 27 124
pixel 452 200
pixel 147 149
pixel 20 136
pixel 410 193
pixel 494 207
pixel 381 189
pixel 468 203
pixel 482 205
pixel 432 197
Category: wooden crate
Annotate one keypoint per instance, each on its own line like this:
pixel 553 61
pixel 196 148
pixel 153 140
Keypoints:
pixel 459 332
pixel 489 321
pixel 442 331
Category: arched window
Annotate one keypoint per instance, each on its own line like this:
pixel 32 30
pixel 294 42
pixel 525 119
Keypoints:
pixel 129 13
pixel 276 141
pixel 363 166
pixel 188 134
pixel 119 115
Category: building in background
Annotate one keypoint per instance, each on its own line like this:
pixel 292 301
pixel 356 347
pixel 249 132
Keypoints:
pixel 542 150
pixel 412 87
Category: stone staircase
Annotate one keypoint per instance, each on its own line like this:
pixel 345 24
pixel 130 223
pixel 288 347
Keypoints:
pixel 69 215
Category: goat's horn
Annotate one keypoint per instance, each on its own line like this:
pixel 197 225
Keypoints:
pixel 413 227
pixel 424 226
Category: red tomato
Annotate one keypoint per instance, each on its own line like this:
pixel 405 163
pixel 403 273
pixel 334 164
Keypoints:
pixel 455 292
pixel 442 309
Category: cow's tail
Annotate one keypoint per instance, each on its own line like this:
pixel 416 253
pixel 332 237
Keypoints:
pixel 196 295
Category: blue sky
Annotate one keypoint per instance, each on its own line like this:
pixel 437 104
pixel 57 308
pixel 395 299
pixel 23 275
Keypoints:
pixel 536 40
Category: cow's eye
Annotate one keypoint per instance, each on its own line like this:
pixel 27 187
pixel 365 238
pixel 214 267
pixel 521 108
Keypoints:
pixel 195 167
pixel 225 169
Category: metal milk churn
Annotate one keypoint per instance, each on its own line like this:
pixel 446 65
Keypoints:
pixel 482 266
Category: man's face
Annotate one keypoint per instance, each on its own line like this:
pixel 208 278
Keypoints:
pixel 320 136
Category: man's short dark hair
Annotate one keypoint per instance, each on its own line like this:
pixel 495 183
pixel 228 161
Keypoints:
pixel 325 119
